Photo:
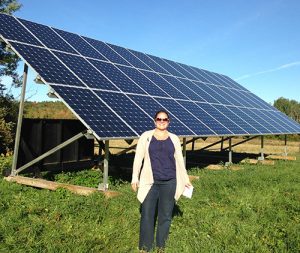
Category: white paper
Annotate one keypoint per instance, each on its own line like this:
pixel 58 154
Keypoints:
pixel 188 191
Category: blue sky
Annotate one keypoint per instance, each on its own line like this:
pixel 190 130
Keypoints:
pixel 255 42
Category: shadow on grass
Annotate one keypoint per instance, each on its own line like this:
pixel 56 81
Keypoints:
pixel 120 167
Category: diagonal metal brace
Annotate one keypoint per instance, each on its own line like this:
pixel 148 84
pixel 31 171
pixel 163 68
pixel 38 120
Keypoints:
pixel 50 152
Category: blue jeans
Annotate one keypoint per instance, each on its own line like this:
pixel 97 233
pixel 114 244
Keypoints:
pixel 159 201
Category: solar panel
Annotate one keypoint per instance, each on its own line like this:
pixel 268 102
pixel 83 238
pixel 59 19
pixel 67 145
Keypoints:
pixel 115 91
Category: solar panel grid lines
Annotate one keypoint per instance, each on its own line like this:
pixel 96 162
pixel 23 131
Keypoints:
pixel 281 127
pixel 204 116
pixel 131 86
pixel 179 111
pixel 123 82
pixel 46 64
pixel 48 37
pixel 226 121
pixel 294 124
pixel 128 56
pixel 237 119
pixel 86 71
pixel 138 77
pixel 157 79
pixel 151 105
pixel 267 125
pixel 177 84
pixel 12 29
pixel 95 113
pixel 149 62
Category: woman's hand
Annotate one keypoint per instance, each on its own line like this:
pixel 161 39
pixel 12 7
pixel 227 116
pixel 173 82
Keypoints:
pixel 188 185
pixel 134 186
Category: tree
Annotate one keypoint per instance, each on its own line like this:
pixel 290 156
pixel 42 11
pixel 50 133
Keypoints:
pixel 8 67
pixel 290 107
pixel 9 61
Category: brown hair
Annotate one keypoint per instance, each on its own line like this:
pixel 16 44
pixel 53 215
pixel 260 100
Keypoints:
pixel 162 111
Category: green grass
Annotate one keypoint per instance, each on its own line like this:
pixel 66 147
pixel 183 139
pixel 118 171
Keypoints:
pixel 256 209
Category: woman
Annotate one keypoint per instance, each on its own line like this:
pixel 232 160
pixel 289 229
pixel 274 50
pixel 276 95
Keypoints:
pixel 162 180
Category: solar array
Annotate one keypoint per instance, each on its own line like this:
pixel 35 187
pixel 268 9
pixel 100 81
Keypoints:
pixel 115 91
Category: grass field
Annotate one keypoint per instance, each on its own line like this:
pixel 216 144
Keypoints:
pixel 255 209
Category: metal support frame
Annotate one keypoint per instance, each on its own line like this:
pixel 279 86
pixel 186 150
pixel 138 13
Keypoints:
pixel 230 152
pixel 104 185
pixel 19 124
pixel 285 145
pixel 241 142
pixel 213 144
pixel 261 158
pixel 51 151
pixel 184 150
pixel 222 144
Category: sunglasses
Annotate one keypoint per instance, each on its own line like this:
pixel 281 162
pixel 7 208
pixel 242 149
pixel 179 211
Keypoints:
pixel 163 120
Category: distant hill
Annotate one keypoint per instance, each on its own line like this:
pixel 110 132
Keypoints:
pixel 47 110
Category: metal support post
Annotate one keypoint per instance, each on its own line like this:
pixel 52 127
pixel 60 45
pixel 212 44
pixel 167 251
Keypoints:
pixel 184 150
pixel 106 159
pixel 230 153
pixel 222 143
pixel 193 144
pixel 19 124
pixel 261 158
pixel 285 145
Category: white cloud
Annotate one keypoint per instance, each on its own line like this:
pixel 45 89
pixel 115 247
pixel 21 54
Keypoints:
pixel 284 66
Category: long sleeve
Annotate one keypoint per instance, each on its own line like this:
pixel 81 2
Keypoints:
pixel 138 158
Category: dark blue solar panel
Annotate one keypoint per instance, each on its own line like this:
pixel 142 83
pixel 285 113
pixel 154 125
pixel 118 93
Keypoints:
pixel 134 61
pixel 242 114
pixel 208 77
pixel 204 117
pixel 227 95
pixel 279 128
pixel 210 89
pixel 229 124
pixel 295 125
pixel 117 77
pixel 46 65
pixel 197 74
pixel 275 116
pixel 48 37
pixel 143 81
pixel 239 101
pixel 238 120
pixel 94 112
pixel 200 102
pixel 147 60
pixel 80 44
pixel 85 71
pixel 128 110
pixel 163 84
pixel 150 106
pixel 186 90
pixel 183 115
pixel 105 50
pixel 180 69
pixel 192 86
pixel 203 93
pixel 220 80
pixel 11 29
pixel 166 66
pixel 261 121
pixel 234 83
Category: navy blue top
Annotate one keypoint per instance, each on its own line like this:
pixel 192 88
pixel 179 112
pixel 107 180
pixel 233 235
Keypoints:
pixel 162 159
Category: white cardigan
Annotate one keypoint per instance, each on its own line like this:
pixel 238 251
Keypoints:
pixel 145 177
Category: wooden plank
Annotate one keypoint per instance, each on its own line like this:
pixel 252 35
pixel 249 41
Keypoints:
pixel 254 161
pixel 192 178
pixel 50 185
pixel 215 167
pixel 280 157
